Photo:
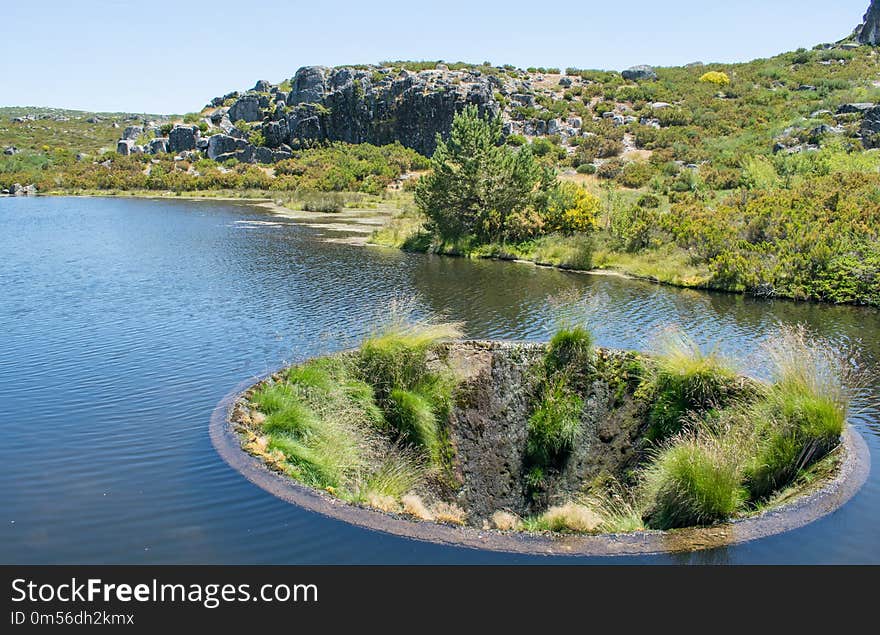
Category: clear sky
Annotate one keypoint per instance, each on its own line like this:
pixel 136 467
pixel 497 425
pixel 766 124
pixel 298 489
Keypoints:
pixel 164 56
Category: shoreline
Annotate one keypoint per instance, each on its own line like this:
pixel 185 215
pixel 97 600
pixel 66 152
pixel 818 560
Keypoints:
pixel 271 205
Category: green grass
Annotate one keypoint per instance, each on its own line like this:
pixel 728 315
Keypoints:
pixel 687 380
pixel 554 424
pixel 412 416
pixel 570 348
pixel 802 415
pixel 691 483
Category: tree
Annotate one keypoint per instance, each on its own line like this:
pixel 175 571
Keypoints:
pixel 478 185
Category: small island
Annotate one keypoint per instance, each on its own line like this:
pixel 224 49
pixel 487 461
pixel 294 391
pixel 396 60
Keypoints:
pixel 555 440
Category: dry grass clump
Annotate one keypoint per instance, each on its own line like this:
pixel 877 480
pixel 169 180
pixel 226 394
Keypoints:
pixel 570 517
pixel 414 506
pixel 506 521
pixel 382 502
pixel 449 513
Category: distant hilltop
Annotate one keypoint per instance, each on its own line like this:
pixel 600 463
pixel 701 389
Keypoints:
pixel 406 102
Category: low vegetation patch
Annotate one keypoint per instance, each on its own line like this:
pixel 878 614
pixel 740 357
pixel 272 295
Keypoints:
pixel 393 426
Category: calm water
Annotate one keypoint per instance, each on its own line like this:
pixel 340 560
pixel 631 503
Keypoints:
pixel 124 322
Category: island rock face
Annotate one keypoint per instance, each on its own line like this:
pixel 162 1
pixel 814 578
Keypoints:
pixel 869 31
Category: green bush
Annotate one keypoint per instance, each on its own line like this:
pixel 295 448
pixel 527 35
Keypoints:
pixel 586 168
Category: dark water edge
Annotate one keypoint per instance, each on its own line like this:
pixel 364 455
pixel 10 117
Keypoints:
pixel 124 321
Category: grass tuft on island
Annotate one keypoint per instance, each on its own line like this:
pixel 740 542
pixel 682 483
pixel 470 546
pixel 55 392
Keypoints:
pixel 385 426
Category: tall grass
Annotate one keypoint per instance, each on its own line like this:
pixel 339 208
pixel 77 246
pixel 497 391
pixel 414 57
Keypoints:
pixel 555 423
pixel 413 394
pixel 803 413
pixel 687 380
pixel 694 481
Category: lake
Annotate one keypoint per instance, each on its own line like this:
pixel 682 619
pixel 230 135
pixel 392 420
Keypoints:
pixel 123 322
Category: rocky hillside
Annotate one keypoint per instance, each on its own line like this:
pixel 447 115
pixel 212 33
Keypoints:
pixel 368 104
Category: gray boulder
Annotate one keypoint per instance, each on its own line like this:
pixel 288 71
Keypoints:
pixel 264 155
pixel 218 115
pixel 639 73
pixel 848 109
pixel 158 145
pixel 275 132
pixel 246 108
pixel 565 82
pixel 18 190
pixel 123 146
pixel 262 86
pixel 182 138
pixel 222 147
pixel 132 132
pixel 10 150
pixel 304 123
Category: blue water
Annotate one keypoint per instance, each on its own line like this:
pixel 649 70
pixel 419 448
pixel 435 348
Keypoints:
pixel 123 322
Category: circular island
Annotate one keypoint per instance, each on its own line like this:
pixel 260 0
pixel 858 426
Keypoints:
pixel 557 448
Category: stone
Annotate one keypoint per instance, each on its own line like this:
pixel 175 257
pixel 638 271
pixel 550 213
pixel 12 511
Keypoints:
pixel 10 150
pixel 158 145
pixel 123 146
pixel 846 109
pixel 246 108
pixel 565 82
pixel 132 132
pixel 575 122
pixel 869 31
pixel 218 115
pixel 639 73
pixel 182 138
pixel 870 128
pixel 308 86
pixel 806 87
pixel 264 155
pixel 660 105
pixel 222 147
pixel 27 190
pixel 275 132
pixel 262 86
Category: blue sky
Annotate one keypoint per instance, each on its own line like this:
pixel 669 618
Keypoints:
pixel 162 56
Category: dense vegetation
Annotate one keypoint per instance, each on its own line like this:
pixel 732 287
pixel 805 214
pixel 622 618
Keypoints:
pixel 370 427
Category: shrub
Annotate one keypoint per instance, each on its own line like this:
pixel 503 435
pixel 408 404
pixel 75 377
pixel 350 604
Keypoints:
pixel 693 482
pixel 635 174
pixel 571 209
pixel 717 78
pixel 586 168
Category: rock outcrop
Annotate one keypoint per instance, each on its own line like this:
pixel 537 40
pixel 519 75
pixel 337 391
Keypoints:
pixel 869 31
pixel 639 73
